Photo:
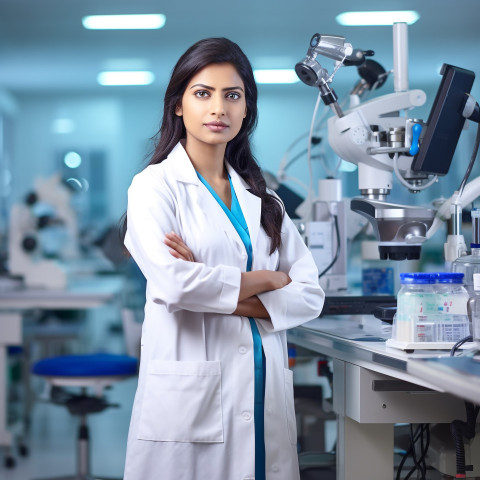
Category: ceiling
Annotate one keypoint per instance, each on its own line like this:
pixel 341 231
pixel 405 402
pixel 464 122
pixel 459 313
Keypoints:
pixel 45 49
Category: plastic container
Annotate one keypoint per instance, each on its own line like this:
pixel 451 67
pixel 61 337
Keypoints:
pixel 470 264
pixel 474 310
pixel 417 312
pixel 452 298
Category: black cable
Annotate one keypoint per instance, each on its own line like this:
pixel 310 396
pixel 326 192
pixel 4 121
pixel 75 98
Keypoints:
pixel 472 161
pixel 424 447
pixel 402 462
pixel 422 459
pixel 337 253
pixel 404 459
pixel 427 428
pixel 420 463
pixel 416 462
pixel 460 429
pixel 421 467
pixel 459 344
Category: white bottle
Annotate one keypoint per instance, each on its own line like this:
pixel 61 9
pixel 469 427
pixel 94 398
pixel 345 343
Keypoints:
pixel 473 308
pixel 417 312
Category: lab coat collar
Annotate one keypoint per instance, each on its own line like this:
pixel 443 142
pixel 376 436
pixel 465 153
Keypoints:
pixel 250 204
pixel 182 166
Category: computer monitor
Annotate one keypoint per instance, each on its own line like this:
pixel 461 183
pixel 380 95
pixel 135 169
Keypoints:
pixel 445 122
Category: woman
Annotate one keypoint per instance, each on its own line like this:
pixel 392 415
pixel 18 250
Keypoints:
pixel 227 273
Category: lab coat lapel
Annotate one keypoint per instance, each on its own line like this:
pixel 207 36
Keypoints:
pixel 185 172
pixel 250 204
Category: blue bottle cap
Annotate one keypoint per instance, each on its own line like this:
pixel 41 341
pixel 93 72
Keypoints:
pixel 418 278
pixel 450 277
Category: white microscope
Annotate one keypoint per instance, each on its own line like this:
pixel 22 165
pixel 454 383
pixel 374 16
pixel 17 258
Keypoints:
pixel 26 256
pixel 380 139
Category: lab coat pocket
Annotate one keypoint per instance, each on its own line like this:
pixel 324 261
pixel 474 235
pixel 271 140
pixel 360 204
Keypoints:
pixel 290 406
pixel 182 402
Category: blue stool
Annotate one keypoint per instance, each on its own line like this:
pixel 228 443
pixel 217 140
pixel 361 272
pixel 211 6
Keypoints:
pixel 85 371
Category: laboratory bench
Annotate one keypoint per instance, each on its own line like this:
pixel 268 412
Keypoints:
pixel 83 293
pixel 376 386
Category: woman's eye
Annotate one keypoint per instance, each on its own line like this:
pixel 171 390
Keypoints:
pixel 201 93
pixel 233 95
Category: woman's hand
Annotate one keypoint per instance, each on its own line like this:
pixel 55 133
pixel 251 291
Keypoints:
pixel 178 248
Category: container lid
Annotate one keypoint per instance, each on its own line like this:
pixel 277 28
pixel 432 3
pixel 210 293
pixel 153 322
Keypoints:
pixel 418 278
pixel 450 277
pixel 476 281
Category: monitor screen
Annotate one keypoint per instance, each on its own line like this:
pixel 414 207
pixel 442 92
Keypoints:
pixel 445 122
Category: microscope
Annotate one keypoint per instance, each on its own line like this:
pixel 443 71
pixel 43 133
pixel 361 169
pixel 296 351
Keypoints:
pixel 380 139
pixel 27 258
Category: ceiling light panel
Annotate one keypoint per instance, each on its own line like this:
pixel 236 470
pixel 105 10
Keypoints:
pixel 125 78
pixel 377 18
pixel 275 76
pixel 124 22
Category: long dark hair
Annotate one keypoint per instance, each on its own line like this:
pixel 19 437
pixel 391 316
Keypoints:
pixel 238 152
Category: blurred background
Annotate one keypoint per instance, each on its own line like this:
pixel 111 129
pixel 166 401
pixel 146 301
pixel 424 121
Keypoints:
pixel 59 125
pixel 51 103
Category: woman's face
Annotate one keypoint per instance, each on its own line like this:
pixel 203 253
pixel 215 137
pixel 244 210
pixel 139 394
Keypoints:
pixel 213 105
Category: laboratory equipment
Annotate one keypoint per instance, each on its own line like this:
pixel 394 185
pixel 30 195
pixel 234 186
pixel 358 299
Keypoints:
pixel 313 74
pixel 378 136
pixel 326 235
pixel 26 255
pixel 474 310
pixel 469 265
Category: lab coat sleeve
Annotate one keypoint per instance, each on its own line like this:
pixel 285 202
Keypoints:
pixel 177 284
pixel 302 299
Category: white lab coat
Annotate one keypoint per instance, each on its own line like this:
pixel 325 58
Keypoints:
pixel 193 412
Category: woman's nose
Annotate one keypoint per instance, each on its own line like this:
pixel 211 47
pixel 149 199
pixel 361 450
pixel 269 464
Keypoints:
pixel 218 106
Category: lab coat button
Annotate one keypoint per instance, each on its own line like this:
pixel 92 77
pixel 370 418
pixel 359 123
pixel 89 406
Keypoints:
pixel 242 350
pixel 247 416
pixel 275 468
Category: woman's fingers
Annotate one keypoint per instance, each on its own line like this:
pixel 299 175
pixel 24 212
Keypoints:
pixel 178 248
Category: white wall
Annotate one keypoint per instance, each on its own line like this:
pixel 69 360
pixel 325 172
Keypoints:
pixel 118 125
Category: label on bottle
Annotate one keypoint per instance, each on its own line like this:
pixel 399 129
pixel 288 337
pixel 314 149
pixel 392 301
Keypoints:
pixel 416 317
pixel 453 304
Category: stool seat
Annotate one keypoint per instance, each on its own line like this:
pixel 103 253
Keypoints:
pixel 94 365
pixel 95 371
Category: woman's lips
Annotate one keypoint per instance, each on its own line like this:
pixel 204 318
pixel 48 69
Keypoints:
pixel 216 126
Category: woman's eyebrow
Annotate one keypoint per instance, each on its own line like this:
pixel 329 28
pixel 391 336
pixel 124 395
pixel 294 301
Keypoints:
pixel 212 88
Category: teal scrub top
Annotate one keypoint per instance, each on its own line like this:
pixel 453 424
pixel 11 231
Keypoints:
pixel 235 215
